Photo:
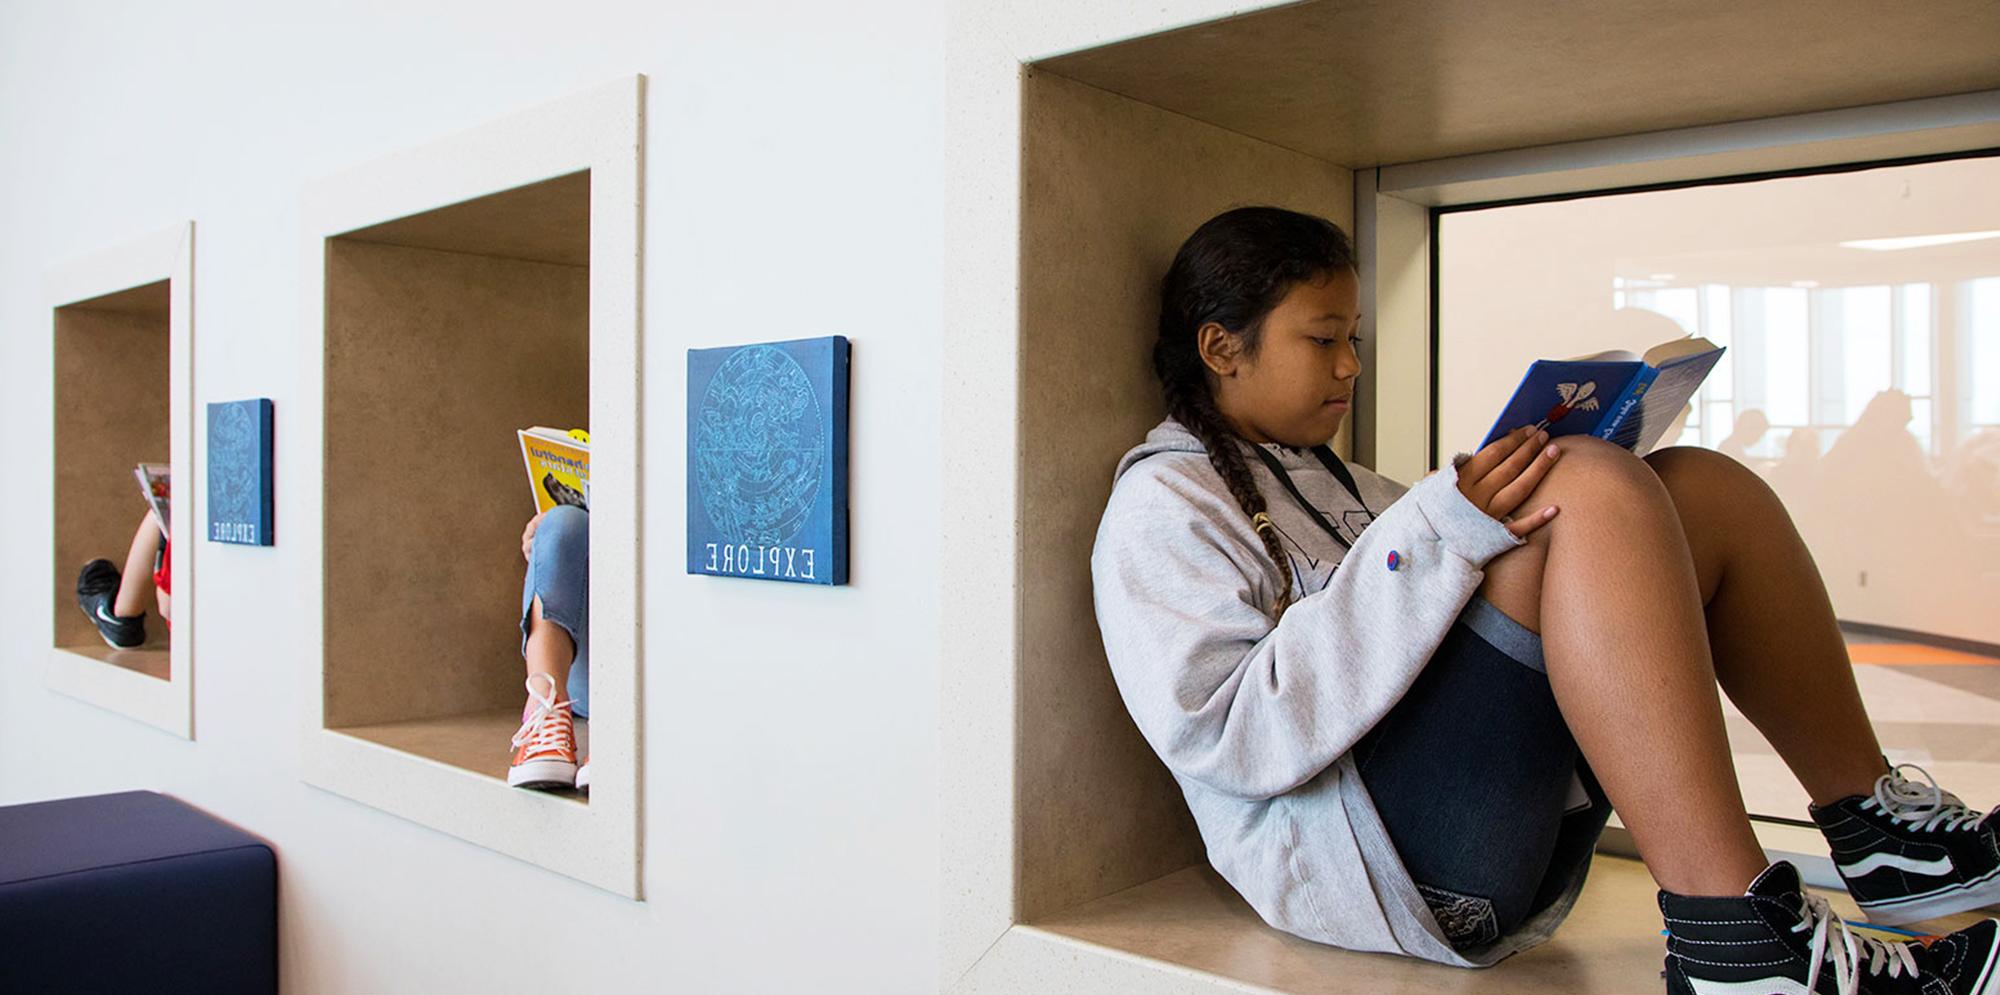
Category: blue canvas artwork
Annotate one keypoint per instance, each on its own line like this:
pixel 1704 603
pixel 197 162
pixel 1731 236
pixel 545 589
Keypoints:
pixel 767 461
pixel 239 472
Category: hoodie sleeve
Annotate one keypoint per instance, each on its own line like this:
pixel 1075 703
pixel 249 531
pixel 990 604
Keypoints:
pixel 1226 697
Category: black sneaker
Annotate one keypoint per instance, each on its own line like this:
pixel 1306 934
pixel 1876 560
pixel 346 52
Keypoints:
pixel 96 591
pixel 1911 851
pixel 1779 940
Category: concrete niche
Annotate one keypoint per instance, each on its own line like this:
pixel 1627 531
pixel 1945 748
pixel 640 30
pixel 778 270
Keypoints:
pixel 465 289
pixel 122 328
pixel 1070 861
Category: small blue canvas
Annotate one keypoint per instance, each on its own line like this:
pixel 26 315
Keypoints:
pixel 767 461
pixel 239 472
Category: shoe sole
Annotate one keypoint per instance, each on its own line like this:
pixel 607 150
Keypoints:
pixel 542 774
pixel 1975 894
pixel 582 780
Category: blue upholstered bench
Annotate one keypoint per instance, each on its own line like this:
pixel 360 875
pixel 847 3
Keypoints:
pixel 134 892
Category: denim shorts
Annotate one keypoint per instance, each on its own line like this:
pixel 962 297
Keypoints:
pixel 1480 784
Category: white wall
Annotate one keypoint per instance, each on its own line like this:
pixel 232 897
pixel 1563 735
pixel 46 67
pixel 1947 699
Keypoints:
pixel 794 188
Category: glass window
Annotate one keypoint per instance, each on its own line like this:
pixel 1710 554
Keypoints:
pixel 1860 312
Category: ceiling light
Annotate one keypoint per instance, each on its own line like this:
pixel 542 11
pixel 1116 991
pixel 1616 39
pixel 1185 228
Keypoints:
pixel 1918 241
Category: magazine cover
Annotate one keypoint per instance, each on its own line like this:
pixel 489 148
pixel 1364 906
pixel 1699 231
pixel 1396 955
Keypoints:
pixel 156 483
pixel 767 461
pixel 558 464
pixel 239 472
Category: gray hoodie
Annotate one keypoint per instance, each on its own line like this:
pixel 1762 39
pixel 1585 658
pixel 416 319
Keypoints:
pixel 1256 719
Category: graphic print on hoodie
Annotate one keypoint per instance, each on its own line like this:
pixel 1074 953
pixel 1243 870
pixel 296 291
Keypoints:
pixel 1312 573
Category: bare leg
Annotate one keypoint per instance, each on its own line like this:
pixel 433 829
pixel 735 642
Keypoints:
pixel 550 649
pixel 1623 632
pixel 137 579
pixel 1778 651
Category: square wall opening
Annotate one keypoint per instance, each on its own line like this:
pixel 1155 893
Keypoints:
pixel 446 331
pixel 112 412
pixel 461 291
pixel 1126 141
pixel 1110 189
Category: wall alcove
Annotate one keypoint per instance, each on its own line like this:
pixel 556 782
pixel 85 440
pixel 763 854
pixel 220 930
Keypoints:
pixel 445 332
pixel 123 328
pixel 1096 880
pixel 465 289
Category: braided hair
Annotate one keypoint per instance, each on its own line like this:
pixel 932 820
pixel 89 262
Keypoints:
pixel 1233 271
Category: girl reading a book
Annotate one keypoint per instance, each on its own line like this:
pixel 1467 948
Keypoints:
pixel 1400 714
pixel 555 644
pixel 115 600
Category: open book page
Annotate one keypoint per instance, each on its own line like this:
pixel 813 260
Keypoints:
pixel 1687 346
pixel 155 482
pixel 1693 345
pixel 1607 356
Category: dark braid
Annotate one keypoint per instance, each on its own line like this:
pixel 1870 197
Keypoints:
pixel 1232 271
pixel 1195 408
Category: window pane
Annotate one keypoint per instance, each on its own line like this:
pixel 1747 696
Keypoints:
pixel 1983 317
pixel 1863 331
pixel 1715 305
pixel 1680 304
pixel 1860 312
pixel 1916 300
pixel 1787 361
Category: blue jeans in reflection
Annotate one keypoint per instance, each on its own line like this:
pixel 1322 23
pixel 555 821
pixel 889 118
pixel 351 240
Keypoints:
pixel 559 572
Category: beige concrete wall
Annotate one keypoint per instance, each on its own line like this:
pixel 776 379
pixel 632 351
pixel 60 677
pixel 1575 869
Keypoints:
pixel 1111 187
pixel 111 411
pixel 433 360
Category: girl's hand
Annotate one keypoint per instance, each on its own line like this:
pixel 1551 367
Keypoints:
pixel 1499 477
pixel 528 536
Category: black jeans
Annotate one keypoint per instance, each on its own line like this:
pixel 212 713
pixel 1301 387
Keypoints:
pixel 1473 773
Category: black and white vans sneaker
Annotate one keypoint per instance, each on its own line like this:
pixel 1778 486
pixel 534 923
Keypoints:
pixel 96 592
pixel 1779 940
pixel 1912 851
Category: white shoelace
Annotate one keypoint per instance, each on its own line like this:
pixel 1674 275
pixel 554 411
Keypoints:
pixel 541 730
pixel 1848 949
pixel 1924 805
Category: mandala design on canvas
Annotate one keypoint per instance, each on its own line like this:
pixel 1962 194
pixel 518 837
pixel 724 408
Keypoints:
pixel 232 463
pixel 759 447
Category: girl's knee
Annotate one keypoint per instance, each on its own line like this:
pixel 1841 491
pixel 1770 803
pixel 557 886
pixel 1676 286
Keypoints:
pixel 1591 475
pixel 564 526
pixel 1590 447
pixel 1692 469
pixel 1595 465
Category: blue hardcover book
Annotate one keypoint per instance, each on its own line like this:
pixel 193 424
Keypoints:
pixel 767 461
pixel 1629 399
pixel 239 472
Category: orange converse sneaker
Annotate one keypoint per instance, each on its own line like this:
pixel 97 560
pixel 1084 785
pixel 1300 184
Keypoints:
pixel 583 776
pixel 545 745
